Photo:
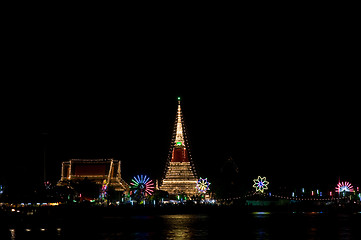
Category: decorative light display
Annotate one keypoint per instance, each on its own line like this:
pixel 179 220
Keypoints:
pixel 142 185
pixel 179 175
pixel 260 184
pixel 47 185
pixel 179 137
pixel 203 185
pixel 344 187
pixel 104 190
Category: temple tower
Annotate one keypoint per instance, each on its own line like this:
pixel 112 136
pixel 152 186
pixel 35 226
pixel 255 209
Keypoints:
pixel 180 176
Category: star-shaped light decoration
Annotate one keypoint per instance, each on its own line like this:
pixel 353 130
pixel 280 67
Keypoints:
pixel 203 185
pixel 260 184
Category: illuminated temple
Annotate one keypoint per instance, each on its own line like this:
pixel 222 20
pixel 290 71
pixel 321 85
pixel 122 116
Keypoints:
pixel 180 175
pixel 95 170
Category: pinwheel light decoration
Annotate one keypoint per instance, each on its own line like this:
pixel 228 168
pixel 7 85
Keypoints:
pixel 142 185
pixel 344 187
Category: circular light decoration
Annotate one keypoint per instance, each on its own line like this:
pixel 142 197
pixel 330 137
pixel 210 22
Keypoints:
pixel 142 185
pixel 344 187
pixel 202 185
pixel 260 184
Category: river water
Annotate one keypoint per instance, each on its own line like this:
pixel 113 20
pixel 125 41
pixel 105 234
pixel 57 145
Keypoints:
pixel 248 226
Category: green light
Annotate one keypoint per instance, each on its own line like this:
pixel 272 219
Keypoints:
pixel 178 98
pixel 179 143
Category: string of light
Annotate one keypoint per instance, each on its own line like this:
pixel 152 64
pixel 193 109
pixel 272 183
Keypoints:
pixel 283 197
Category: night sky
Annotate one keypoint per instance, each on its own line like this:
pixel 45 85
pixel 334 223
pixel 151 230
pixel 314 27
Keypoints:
pixel 281 100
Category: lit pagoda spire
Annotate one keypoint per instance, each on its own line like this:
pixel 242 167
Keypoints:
pixel 179 152
pixel 180 175
pixel 179 139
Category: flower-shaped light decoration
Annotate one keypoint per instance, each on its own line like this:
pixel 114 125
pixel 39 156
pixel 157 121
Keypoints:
pixel 260 184
pixel 203 185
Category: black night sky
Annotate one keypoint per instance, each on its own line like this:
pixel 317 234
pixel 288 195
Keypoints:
pixel 281 99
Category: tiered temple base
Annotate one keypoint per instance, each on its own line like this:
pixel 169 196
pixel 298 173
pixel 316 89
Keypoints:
pixel 179 179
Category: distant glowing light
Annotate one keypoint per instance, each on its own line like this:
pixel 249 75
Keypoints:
pixel 261 213
pixel 202 185
pixel 260 184
pixel 344 187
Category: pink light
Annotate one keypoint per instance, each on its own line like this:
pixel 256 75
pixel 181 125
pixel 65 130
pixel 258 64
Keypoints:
pixel 344 187
pixel 143 185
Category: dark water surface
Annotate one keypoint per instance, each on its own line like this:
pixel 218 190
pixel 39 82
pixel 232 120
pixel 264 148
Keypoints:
pixel 250 225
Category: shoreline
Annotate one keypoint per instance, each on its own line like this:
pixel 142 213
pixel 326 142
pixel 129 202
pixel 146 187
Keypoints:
pixel 79 211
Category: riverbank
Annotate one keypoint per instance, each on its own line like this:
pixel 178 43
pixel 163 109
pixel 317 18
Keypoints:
pixel 95 211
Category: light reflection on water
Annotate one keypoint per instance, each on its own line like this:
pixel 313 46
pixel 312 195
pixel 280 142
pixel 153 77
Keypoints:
pixel 249 226
pixel 21 232
pixel 185 226
pixel 261 230
pixel 261 214
pixel 344 229
pixel 12 233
